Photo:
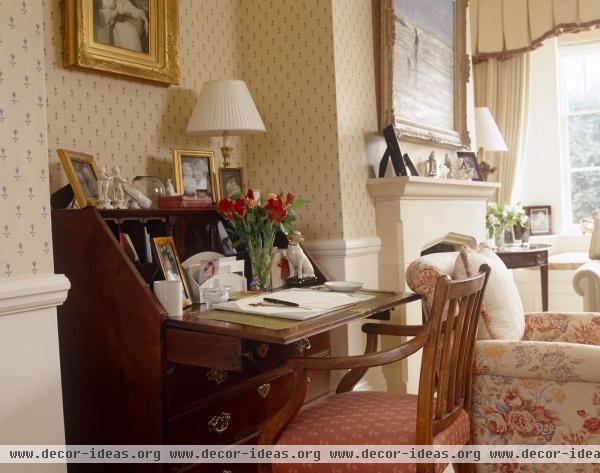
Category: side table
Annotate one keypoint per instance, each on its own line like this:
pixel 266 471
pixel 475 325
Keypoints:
pixel 528 256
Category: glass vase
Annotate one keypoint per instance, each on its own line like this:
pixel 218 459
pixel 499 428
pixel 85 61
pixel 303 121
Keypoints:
pixel 499 236
pixel 261 259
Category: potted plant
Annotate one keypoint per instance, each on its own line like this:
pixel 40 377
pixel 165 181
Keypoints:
pixel 501 220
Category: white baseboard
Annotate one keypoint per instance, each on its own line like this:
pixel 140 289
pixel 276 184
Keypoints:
pixel 32 293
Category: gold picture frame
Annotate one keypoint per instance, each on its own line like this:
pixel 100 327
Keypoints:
pixel 407 101
pixel 199 172
pixel 232 178
pixel 83 173
pixel 168 259
pixel 103 38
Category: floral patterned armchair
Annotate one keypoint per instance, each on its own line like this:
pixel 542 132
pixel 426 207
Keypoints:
pixel 541 390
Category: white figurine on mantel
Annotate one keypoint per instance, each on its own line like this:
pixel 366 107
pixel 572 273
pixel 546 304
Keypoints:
pixel 103 188
pixel 170 187
pixel 300 267
pixel 118 194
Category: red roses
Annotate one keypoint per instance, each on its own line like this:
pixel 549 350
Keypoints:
pixel 225 208
pixel 275 208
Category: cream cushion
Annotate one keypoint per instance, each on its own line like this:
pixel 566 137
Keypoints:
pixel 502 315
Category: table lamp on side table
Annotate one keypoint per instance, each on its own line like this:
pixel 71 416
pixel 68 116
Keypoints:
pixel 488 137
pixel 225 107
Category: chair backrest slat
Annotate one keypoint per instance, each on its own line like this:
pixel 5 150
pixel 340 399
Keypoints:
pixel 446 366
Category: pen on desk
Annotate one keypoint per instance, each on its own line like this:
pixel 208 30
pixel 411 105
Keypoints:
pixel 279 301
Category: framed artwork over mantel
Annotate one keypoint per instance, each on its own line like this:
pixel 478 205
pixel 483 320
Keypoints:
pixel 138 39
pixel 425 70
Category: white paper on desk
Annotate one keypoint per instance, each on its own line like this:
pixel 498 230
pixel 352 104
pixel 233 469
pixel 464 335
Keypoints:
pixel 312 303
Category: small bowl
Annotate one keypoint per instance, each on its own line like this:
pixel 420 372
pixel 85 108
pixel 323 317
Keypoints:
pixel 343 286
pixel 214 295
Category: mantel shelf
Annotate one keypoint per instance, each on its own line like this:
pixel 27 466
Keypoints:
pixel 417 187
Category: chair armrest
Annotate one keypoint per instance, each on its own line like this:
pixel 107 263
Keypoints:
pixel 361 361
pixel 389 329
pixel 551 361
pixel 275 425
pixel 579 327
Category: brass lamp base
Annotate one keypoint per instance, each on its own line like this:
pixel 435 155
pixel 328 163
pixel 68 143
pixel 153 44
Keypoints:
pixel 227 151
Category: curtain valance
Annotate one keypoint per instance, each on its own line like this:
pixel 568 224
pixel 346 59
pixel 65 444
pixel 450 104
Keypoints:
pixel 504 28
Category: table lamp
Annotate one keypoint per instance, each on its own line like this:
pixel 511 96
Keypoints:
pixel 489 138
pixel 225 107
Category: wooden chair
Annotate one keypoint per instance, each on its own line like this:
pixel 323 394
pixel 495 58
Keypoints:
pixel 438 415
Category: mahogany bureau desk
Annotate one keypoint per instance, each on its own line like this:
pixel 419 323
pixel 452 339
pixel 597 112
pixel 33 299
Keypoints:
pixel 132 376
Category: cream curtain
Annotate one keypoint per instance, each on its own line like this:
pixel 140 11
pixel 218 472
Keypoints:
pixel 503 28
pixel 503 87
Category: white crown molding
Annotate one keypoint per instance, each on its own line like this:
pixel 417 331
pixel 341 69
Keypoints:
pixel 26 294
pixel 343 248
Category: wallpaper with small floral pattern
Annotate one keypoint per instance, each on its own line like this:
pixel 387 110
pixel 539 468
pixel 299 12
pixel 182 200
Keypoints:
pixel 131 123
pixel 25 239
pixel 310 65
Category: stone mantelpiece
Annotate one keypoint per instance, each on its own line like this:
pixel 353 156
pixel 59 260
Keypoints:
pixel 412 212
pixel 417 187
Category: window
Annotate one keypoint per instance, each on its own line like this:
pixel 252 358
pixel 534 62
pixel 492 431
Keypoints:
pixel 580 109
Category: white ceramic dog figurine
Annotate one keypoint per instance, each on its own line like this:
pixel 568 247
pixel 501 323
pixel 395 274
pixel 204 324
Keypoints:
pixel 300 267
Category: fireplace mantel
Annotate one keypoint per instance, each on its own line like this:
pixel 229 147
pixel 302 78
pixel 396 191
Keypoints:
pixel 417 187
pixel 411 213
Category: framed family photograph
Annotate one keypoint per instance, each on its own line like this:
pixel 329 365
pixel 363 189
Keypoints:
pixel 82 172
pixel 138 39
pixel 470 160
pixel 168 259
pixel 540 219
pixel 194 174
pixel 231 182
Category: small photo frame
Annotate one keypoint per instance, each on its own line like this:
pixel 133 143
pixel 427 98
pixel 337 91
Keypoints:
pixel 83 173
pixel 194 173
pixel 168 259
pixel 470 160
pixel 231 182
pixel 540 219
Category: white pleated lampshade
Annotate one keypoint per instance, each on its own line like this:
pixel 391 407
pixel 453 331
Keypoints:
pixel 225 106
pixel 486 131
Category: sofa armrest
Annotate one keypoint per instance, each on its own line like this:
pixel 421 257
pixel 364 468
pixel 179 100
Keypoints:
pixel 576 327
pixel 553 361
pixel 586 282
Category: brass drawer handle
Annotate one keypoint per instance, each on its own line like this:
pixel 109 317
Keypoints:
pixel 217 376
pixel 218 424
pixel 302 345
pixel 262 350
pixel 263 390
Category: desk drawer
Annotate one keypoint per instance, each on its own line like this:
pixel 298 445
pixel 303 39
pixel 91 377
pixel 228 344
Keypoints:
pixel 188 385
pixel 231 418
pixel 204 349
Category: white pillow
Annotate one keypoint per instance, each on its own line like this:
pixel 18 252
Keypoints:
pixel 502 311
